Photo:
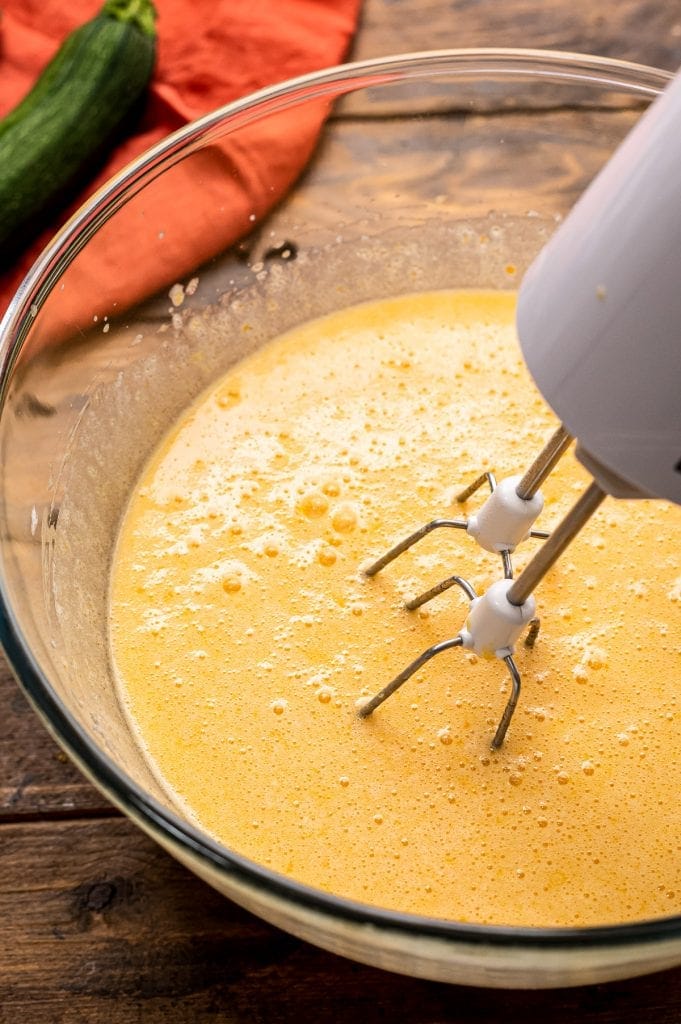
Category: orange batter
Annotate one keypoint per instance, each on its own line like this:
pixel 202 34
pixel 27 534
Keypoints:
pixel 244 634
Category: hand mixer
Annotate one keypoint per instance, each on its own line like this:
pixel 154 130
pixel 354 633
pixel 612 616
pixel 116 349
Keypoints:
pixel 599 324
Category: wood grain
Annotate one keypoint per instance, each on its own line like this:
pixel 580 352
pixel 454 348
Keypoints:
pixel 644 31
pixel 106 927
pixel 36 777
pixel 547 159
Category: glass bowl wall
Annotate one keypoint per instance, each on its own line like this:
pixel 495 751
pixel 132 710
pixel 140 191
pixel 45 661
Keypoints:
pixel 438 170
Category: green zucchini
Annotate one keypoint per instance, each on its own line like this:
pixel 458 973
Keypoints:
pixel 73 114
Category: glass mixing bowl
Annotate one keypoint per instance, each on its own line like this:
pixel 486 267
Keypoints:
pixel 432 170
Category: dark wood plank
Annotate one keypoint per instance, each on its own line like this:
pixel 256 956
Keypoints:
pixel 100 925
pixel 645 31
pixel 36 777
pixel 466 175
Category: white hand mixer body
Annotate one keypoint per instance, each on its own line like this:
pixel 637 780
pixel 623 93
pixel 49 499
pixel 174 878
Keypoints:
pixel 599 324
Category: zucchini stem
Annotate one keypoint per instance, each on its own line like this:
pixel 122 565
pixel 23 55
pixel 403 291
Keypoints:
pixel 140 13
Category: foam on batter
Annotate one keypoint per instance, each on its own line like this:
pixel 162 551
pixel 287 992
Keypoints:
pixel 244 633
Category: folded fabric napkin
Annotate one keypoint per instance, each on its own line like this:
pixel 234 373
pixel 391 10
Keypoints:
pixel 210 52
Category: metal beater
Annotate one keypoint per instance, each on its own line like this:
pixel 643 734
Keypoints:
pixel 497 618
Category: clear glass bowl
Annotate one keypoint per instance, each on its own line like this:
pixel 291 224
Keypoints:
pixel 442 169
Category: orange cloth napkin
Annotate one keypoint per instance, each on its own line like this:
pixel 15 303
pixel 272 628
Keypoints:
pixel 209 53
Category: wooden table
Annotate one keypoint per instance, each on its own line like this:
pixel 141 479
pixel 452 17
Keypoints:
pixel 98 923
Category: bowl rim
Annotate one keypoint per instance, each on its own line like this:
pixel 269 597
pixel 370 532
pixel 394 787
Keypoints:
pixel 145 810
pixel 547 64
